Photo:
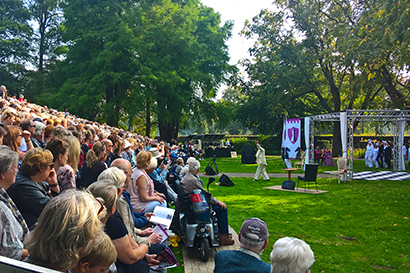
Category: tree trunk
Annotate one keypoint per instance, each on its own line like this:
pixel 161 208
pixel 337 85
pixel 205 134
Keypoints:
pixel 148 118
pixel 168 130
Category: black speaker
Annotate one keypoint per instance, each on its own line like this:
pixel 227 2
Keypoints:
pixel 209 170
pixel 288 185
pixel 224 180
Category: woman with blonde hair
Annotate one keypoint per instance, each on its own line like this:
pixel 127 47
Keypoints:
pixel 93 165
pixel 130 255
pixel 14 139
pixel 66 231
pixel 35 185
pixel 143 196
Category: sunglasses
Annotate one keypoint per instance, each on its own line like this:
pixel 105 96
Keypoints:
pixel 101 206
pixel 51 165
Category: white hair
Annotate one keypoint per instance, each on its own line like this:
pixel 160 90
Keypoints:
pixel 194 165
pixel 252 245
pixel 39 128
pixel 190 160
pixel 152 164
pixel 115 175
pixel 291 255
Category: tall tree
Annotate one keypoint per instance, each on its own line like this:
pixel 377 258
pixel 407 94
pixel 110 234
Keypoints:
pixel 306 61
pixel 101 60
pixel 15 33
pixel 184 56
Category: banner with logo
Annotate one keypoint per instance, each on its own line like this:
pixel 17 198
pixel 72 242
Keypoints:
pixel 291 136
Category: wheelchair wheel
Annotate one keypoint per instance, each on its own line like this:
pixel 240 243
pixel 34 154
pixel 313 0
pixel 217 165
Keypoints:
pixel 204 249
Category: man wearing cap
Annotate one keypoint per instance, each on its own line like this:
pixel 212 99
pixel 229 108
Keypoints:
pixel 253 238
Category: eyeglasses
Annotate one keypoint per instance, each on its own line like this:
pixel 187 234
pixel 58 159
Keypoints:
pixel 32 125
pixel 101 206
pixel 51 165
pixel 20 136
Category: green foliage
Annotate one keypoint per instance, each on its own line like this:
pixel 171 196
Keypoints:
pixel 324 56
pixel 15 47
pixel 239 143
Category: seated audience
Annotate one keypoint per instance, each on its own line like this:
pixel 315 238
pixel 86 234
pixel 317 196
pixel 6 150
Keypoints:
pixel 143 196
pixel 131 257
pixel 291 255
pixel 2 133
pixel 93 165
pixel 253 238
pixel 13 228
pixel 67 230
pixel 100 259
pixel 192 182
pixel 29 126
pixel 158 176
pixel 8 117
pixel 121 180
pixel 33 183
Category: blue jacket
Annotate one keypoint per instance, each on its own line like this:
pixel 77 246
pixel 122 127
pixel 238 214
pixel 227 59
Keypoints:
pixel 235 261
pixel 138 217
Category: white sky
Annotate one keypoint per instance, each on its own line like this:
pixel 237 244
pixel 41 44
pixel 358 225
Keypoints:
pixel 238 11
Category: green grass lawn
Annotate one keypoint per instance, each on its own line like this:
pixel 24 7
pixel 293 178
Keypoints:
pixel 358 226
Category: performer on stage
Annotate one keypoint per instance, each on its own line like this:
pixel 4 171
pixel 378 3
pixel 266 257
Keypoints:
pixel 369 154
pixel 328 159
pixel 375 153
pixel 261 160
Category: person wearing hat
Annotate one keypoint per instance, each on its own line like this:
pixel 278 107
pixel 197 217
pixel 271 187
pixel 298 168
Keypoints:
pixel 369 154
pixel 253 238
pixel 291 255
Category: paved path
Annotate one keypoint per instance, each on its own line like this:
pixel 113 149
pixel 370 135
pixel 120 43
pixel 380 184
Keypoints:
pixel 273 175
pixel 192 262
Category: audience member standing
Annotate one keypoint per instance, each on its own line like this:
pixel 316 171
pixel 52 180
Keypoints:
pixel 369 154
pixel 261 160
pixel 328 159
pixel 253 238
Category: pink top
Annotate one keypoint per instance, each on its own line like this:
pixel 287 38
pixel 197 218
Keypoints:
pixel 136 202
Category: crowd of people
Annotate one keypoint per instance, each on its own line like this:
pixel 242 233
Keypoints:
pixel 77 196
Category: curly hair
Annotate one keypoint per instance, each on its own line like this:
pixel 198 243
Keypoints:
pixel 143 159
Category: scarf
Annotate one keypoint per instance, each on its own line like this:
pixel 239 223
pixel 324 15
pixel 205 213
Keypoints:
pixel 5 198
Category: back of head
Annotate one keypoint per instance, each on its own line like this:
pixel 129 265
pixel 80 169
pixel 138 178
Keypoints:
pixel 291 255
pixel 60 131
pixel 73 152
pixel 57 146
pixel 194 165
pixel 103 253
pixel 106 194
pixel 143 159
pixel 115 175
pixel 67 226
pixel 254 233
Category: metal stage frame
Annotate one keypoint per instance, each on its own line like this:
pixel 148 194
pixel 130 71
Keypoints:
pixel 397 118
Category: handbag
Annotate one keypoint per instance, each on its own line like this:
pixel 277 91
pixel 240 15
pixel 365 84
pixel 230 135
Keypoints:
pixel 288 185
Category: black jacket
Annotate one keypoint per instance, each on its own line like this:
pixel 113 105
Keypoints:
pixel 30 197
